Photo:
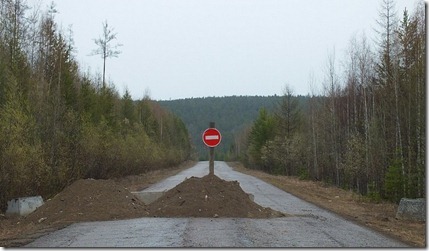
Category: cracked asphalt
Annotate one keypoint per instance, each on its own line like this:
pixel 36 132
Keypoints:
pixel 310 226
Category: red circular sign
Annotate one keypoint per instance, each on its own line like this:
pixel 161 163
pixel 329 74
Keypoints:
pixel 211 137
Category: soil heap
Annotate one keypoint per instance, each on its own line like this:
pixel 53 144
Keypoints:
pixel 208 196
pixel 98 200
pixel 89 200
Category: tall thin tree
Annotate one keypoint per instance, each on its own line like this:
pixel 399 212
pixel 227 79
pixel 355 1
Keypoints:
pixel 105 48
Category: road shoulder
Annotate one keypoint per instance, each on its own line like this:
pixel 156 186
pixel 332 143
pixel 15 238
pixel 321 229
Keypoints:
pixel 377 216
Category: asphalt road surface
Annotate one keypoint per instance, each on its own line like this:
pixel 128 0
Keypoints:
pixel 311 227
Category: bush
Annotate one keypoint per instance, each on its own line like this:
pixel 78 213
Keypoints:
pixel 303 174
pixel 394 182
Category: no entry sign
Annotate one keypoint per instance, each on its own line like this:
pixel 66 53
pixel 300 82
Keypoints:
pixel 211 137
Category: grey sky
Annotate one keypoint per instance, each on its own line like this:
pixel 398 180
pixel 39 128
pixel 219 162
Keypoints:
pixel 199 48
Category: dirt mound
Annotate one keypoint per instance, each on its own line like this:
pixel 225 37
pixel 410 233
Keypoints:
pixel 97 200
pixel 89 200
pixel 208 196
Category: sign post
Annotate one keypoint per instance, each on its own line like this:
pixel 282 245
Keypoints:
pixel 212 138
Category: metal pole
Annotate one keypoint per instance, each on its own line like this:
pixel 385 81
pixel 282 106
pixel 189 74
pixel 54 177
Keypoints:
pixel 211 160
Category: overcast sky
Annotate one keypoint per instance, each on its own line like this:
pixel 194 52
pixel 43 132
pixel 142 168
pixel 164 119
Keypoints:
pixel 200 48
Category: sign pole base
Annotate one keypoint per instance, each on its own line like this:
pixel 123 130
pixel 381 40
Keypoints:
pixel 211 160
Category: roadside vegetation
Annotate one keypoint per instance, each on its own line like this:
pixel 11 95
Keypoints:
pixel 366 132
pixel 59 124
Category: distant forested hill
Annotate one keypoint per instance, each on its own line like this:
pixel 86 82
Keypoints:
pixel 231 115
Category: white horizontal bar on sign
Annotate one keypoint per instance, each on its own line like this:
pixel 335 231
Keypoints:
pixel 211 137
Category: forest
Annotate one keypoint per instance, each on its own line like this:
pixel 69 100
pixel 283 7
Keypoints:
pixel 232 116
pixel 366 131
pixel 59 124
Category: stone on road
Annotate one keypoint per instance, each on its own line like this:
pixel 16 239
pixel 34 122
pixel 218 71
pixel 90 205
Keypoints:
pixel 310 226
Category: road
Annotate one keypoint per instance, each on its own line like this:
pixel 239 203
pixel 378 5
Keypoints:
pixel 311 227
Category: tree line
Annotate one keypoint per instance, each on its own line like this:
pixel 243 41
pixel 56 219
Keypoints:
pixel 231 114
pixel 59 124
pixel 366 131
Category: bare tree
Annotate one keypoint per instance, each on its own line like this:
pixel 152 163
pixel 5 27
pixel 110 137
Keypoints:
pixel 420 19
pixel 313 107
pixel 387 25
pixel 365 64
pixel 332 86
pixel 105 49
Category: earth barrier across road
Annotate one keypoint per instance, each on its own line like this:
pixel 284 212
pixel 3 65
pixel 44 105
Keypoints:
pixel 310 226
